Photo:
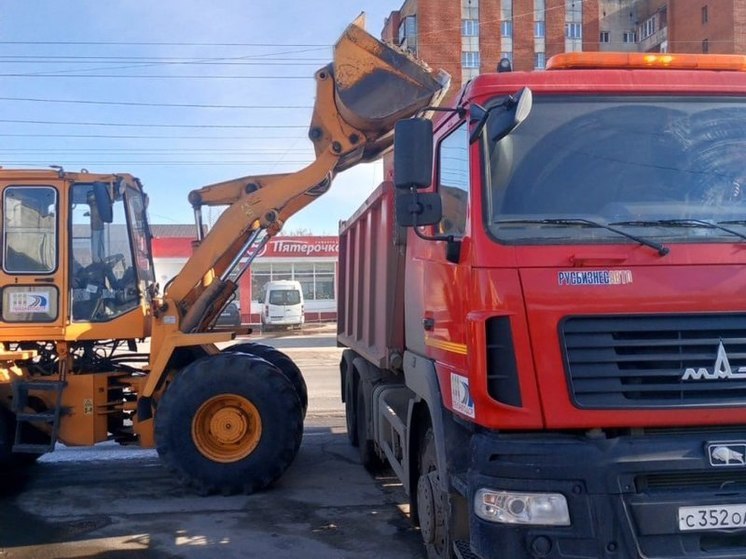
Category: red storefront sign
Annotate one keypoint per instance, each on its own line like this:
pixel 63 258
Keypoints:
pixel 302 247
pixel 293 247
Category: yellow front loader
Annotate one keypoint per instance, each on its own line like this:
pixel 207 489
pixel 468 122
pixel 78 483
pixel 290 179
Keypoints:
pixel 78 292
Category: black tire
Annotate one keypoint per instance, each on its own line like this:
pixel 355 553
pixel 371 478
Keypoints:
pixel 181 423
pixel 282 362
pixel 432 503
pixel 368 457
pixel 350 409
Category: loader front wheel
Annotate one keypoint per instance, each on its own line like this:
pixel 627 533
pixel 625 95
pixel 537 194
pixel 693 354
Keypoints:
pixel 229 423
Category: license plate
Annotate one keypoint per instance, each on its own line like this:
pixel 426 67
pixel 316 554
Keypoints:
pixel 712 517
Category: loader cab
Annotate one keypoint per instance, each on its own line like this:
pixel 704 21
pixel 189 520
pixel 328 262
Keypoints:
pixel 111 267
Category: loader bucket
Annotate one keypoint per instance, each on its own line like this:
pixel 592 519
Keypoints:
pixel 377 85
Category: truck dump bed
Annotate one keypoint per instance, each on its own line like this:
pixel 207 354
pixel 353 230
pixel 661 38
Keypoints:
pixel 370 294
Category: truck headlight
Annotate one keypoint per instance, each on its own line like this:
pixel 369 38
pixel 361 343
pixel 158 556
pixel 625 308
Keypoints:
pixel 508 507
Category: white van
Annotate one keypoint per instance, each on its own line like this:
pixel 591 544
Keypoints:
pixel 283 304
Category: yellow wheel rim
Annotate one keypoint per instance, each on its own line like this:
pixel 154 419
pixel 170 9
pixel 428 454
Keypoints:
pixel 226 428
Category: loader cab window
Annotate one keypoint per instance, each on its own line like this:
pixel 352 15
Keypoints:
pixel 453 181
pixel 30 230
pixel 137 203
pixel 103 279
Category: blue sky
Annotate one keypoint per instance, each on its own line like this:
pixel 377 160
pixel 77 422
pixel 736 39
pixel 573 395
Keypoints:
pixel 241 125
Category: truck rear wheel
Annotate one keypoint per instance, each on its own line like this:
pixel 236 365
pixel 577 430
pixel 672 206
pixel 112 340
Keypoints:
pixel 432 503
pixel 350 410
pixel 366 447
pixel 279 360
pixel 229 423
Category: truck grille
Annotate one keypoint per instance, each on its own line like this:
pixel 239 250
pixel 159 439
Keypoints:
pixel 642 361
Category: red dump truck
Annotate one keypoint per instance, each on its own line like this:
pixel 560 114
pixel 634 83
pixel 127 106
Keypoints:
pixel 545 312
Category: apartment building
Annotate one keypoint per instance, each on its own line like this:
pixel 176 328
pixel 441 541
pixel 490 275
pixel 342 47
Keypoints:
pixel 683 26
pixel 467 37
pixel 527 32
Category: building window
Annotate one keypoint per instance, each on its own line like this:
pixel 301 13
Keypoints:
pixel 506 29
pixel 629 37
pixel 408 32
pixel 316 279
pixel 468 74
pixel 470 27
pixel 573 10
pixel 470 59
pixel 540 29
pixel 648 27
pixel 539 10
pixel 540 61
pixel 604 37
pixel 705 15
pixel 705 46
pixel 324 280
pixel 470 9
pixel 574 30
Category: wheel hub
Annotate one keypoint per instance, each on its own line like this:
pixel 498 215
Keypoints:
pixel 226 428
pixel 228 425
pixel 426 508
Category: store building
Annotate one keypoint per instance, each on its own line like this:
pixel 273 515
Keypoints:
pixel 310 260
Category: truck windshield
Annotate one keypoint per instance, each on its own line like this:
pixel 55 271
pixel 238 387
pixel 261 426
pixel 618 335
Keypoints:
pixel 666 168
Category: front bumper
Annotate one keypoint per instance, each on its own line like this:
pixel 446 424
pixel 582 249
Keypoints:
pixel 623 494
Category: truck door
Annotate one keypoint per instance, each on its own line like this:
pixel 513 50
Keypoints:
pixel 436 280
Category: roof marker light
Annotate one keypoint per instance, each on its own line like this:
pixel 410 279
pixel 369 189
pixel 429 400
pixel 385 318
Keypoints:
pixel 627 61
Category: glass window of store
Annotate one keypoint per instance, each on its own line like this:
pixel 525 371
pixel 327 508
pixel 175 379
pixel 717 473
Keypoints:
pixel 316 278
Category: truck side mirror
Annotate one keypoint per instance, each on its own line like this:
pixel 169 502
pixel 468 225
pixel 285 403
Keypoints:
pixel 503 118
pixel 413 153
pixel 103 202
pixel 514 114
pixel 418 208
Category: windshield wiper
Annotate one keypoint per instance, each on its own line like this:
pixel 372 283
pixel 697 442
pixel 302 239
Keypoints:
pixel 687 223
pixel 662 250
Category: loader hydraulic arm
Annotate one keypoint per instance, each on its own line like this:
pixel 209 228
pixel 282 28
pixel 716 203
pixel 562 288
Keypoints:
pixel 359 98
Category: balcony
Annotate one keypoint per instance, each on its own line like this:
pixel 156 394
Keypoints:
pixel 652 43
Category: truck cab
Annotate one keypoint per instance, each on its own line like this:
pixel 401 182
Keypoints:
pixel 567 377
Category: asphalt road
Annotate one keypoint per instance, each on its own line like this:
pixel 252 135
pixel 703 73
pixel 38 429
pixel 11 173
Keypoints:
pixel 113 502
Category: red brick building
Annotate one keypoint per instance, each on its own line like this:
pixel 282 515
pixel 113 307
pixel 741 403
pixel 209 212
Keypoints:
pixel 715 26
pixel 683 26
pixel 466 37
